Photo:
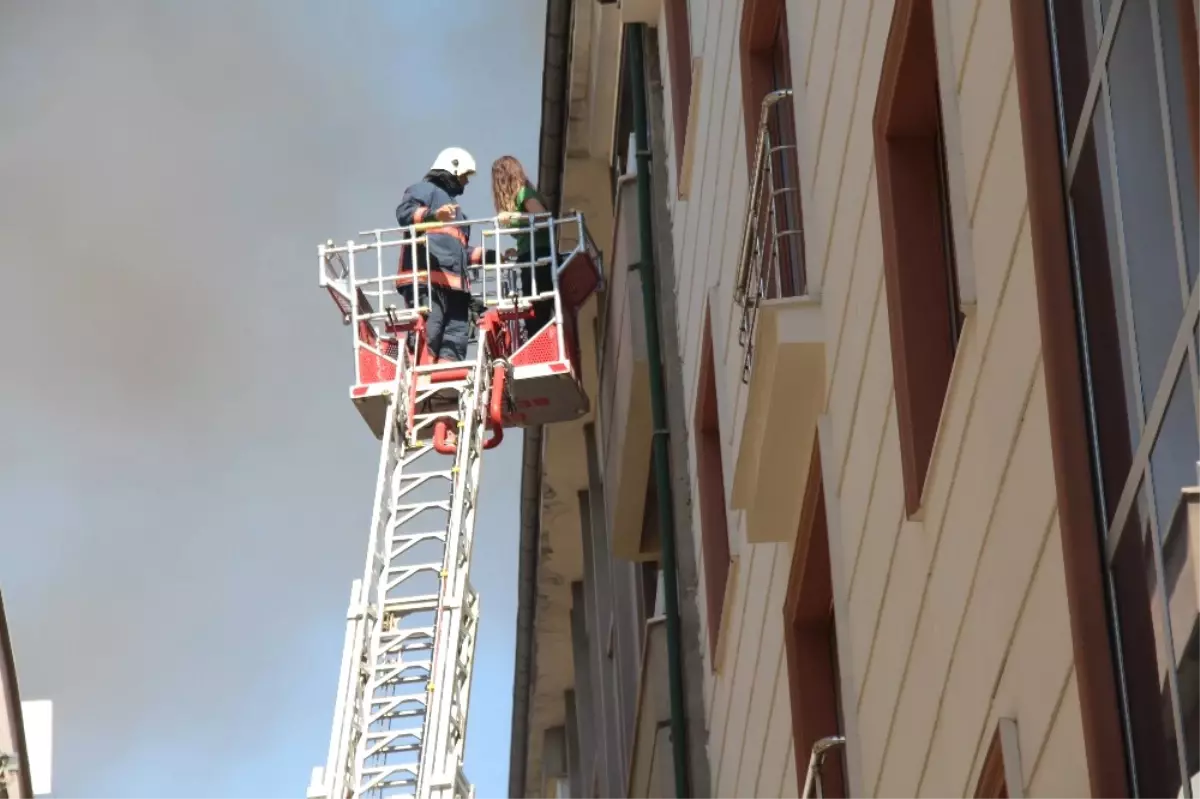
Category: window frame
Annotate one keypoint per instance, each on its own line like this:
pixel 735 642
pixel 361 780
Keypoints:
pixel 1047 75
pixel 920 264
pixel 1000 777
pixel 810 640
pixel 716 552
pixel 1121 403
pixel 679 69
pixel 765 53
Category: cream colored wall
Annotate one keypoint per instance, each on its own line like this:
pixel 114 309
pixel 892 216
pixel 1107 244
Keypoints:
pixel 564 469
pixel 958 617
pixel 585 187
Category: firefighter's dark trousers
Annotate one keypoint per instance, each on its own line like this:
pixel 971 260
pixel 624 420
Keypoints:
pixel 449 324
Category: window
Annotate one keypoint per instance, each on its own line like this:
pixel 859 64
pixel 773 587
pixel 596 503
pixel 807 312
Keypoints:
pixel 1001 765
pixel 1125 74
pixel 766 67
pixel 920 273
pixel 679 66
pixel 714 521
pixel 648 578
pixel 810 640
pixel 623 149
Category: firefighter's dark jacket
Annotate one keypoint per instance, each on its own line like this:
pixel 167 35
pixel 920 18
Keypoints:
pixel 449 252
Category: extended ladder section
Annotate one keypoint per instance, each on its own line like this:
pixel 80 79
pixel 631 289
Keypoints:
pixel 401 708
pixel 400 713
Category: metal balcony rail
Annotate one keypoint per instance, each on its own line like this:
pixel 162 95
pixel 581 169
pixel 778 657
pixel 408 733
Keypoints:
pixel 816 761
pixel 771 260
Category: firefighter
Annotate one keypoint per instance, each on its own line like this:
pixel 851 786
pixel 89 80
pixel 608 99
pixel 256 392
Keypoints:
pixel 432 200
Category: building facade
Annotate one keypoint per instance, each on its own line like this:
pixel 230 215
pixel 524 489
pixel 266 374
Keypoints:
pixel 902 463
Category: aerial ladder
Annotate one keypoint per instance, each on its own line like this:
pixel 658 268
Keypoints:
pixel 400 712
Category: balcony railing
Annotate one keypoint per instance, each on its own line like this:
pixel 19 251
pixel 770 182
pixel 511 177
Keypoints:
pixel 816 762
pixel 771 264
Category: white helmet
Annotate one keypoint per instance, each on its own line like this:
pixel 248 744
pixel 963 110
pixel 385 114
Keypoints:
pixel 455 160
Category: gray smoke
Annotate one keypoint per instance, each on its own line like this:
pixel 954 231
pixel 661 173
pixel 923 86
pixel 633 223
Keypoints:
pixel 185 486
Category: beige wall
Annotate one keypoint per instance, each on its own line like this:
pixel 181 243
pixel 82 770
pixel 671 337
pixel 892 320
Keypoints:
pixel 956 618
pixel 564 468
pixel 585 187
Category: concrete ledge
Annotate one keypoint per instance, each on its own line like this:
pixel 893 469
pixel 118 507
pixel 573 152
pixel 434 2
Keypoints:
pixel 785 397
pixel 626 420
pixel 650 767
pixel 634 11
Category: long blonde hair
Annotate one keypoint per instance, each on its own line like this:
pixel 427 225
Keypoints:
pixel 508 178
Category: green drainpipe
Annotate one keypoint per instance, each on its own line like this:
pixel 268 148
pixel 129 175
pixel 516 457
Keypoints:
pixel 658 406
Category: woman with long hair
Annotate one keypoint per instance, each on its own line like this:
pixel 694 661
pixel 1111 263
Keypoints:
pixel 515 197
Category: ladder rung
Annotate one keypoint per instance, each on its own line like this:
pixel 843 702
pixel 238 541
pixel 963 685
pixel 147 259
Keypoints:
pixel 388 736
pixel 396 701
pixel 410 604
pixel 413 568
pixel 412 539
pixel 395 677
pixel 402 634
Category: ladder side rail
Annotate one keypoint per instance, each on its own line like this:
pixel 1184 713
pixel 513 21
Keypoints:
pixel 372 591
pixel 464 615
pixel 444 761
pixel 381 711
pixel 437 719
pixel 430 671
pixel 397 640
pixel 436 767
pixel 465 668
pixel 348 731
pixel 392 461
pixel 337 759
pixel 467 600
pixel 463 671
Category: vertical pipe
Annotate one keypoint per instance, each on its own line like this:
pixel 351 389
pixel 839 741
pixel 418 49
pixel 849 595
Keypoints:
pixel 658 406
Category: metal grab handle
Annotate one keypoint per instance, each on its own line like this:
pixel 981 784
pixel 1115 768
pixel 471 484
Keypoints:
pixel 812 778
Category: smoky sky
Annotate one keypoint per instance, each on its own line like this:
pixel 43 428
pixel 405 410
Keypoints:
pixel 185 486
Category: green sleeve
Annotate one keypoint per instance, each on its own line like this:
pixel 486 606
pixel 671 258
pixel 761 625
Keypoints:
pixel 520 199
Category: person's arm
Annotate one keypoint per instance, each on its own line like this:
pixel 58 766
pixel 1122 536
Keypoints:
pixel 411 209
pixel 414 208
pixel 481 255
pixel 533 205
pixel 527 202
